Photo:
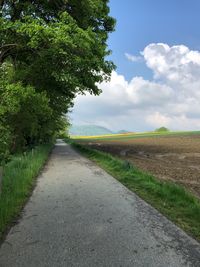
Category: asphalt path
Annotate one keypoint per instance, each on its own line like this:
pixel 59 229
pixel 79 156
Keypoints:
pixel 79 215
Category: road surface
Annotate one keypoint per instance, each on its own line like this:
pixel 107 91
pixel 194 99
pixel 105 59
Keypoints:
pixel 79 215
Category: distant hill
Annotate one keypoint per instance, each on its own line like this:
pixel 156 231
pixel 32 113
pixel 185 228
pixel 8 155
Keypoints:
pixel 88 130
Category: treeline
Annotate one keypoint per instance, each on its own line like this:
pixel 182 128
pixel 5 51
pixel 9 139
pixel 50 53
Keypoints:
pixel 50 51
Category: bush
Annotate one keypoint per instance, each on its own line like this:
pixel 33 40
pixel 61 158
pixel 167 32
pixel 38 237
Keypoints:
pixel 162 129
pixel 25 117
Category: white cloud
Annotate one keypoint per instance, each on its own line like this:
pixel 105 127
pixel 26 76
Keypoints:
pixel 156 119
pixel 146 93
pixel 171 98
pixel 172 63
pixel 133 58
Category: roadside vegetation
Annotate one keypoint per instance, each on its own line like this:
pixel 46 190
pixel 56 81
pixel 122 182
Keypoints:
pixel 170 199
pixel 19 180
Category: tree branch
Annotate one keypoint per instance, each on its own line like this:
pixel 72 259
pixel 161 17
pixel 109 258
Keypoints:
pixel 7 45
pixel 4 49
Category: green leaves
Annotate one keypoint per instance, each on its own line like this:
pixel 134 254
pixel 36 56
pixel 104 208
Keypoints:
pixel 71 42
pixel 50 51
pixel 25 112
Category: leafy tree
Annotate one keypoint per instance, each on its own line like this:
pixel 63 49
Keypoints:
pixel 57 46
pixel 162 129
pixel 64 127
pixel 25 112
pixel 50 51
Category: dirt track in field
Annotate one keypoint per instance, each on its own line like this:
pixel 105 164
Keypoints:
pixel 168 158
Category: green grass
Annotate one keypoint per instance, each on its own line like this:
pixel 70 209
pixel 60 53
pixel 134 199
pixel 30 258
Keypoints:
pixel 170 199
pixel 18 181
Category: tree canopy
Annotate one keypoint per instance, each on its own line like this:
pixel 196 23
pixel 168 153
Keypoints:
pixel 50 51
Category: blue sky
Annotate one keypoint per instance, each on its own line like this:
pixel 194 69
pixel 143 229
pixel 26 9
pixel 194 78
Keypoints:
pixel 156 48
pixel 141 22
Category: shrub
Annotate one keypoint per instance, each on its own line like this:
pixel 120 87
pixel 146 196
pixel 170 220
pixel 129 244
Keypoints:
pixel 162 129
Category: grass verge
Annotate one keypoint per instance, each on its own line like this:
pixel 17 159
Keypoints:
pixel 170 199
pixel 18 181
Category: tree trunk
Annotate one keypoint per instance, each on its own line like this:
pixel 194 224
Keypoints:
pixel 1 3
pixel 1 178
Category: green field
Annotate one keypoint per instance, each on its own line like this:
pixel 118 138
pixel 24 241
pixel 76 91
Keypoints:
pixel 129 136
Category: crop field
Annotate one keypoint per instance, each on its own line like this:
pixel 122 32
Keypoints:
pixel 173 156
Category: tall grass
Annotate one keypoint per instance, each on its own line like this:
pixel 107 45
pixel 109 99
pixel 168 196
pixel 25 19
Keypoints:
pixel 18 180
pixel 169 198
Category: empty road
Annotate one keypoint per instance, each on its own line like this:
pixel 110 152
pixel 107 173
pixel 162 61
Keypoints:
pixel 79 215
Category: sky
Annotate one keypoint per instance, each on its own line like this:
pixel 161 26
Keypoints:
pixel 156 49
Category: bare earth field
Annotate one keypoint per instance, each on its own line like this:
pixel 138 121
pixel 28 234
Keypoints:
pixel 175 158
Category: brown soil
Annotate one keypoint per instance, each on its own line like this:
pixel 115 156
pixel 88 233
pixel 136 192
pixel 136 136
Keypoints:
pixel 168 158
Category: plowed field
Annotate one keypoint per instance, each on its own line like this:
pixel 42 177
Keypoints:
pixel 175 158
